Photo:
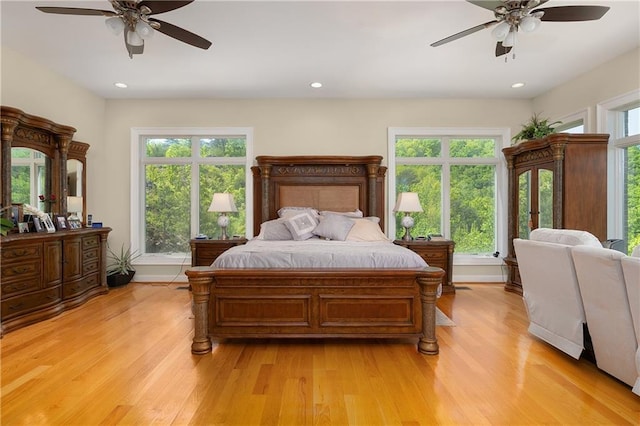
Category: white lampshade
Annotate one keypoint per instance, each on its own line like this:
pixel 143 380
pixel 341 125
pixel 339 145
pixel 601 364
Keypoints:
pixel 408 202
pixel 529 23
pixel 74 204
pixel 134 39
pixel 222 202
pixel 510 39
pixel 501 30
pixel 115 25
pixel 144 30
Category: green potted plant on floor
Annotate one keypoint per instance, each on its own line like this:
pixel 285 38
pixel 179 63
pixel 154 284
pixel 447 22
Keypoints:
pixel 120 270
pixel 536 128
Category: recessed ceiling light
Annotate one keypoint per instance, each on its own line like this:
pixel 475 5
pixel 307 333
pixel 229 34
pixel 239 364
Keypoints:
pixel 316 85
pixel 517 85
pixel 120 85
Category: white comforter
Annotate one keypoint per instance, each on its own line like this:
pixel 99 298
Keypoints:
pixel 317 253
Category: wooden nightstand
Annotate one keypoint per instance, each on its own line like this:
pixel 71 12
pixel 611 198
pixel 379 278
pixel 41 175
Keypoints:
pixel 435 253
pixel 204 252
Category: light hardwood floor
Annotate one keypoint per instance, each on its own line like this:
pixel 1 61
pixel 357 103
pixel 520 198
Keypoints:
pixel 124 358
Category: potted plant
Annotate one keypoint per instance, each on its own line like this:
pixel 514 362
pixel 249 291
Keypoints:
pixel 120 270
pixel 536 128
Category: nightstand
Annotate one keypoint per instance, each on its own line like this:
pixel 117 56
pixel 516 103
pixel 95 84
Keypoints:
pixel 435 253
pixel 204 252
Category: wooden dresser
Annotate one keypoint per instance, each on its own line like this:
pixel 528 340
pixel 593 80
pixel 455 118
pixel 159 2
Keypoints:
pixel 44 274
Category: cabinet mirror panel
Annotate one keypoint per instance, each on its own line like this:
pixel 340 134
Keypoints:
pixel 30 175
pixel 545 198
pixel 524 204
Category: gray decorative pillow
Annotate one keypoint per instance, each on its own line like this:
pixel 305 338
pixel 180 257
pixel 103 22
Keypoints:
pixel 275 230
pixel 301 225
pixel 354 213
pixel 287 212
pixel 334 227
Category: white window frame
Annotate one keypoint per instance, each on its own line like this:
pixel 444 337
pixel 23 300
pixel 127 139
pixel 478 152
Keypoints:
pixel 609 120
pixel 502 134
pixel 137 181
pixel 570 119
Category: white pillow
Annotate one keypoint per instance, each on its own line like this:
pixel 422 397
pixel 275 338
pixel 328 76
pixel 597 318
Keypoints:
pixel 274 230
pixel 355 213
pixel 286 212
pixel 301 225
pixel 334 227
pixel 366 230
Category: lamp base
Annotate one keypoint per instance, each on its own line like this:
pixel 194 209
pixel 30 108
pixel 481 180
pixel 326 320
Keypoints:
pixel 407 235
pixel 407 222
pixel 223 222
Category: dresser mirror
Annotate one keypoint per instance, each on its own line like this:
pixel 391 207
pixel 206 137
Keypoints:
pixel 41 164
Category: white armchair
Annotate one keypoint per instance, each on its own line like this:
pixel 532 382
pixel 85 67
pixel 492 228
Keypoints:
pixel 550 286
pixel 631 270
pixel 607 309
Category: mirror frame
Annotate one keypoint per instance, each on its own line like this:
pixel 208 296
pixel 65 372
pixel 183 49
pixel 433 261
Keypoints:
pixel 23 130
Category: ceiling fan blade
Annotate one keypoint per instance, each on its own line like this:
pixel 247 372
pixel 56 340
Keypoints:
pixel 487 4
pixel 501 50
pixel 463 33
pixel 572 13
pixel 181 34
pixel 160 6
pixel 75 11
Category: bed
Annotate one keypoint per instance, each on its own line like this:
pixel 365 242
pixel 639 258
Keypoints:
pixel 313 301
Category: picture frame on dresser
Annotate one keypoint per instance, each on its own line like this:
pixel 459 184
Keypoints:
pixel 74 223
pixel 61 222
pixel 37 225
pixel 48 223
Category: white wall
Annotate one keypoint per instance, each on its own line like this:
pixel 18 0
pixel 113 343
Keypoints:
pixel 281 127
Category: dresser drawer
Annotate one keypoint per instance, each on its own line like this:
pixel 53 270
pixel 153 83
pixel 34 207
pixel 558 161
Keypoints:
pixel 26 269
pixel 23 285
pixel 21 253
pixel 18 305
pixel 432 255
pixel 90 255
pixel 77 287
pixel 90 242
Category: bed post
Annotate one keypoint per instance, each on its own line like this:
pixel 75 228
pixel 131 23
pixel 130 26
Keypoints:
pixel 372 172
pixel 200 280
pixel 429 282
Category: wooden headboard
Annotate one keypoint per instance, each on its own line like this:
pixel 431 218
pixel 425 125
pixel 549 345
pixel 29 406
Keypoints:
pixel 338 183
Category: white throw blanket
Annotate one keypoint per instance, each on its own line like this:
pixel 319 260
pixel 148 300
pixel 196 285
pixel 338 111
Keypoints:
pixel 317 253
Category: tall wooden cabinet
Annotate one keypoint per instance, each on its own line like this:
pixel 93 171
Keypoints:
pixel 556 182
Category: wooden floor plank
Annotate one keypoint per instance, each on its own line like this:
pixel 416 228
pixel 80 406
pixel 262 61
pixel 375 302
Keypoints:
pixel 124 359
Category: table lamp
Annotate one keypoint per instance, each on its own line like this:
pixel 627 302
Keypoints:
pixel 407 202
pixel 74 206
pixel 223 203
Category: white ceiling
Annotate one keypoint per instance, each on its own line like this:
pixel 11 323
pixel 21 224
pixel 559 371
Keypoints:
pixel 357 49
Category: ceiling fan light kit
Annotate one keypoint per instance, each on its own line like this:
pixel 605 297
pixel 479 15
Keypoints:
pixel 133 18
pixel 514 15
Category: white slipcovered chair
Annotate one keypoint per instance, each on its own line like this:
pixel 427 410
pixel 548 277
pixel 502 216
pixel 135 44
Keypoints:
pixel 631 270
pixel 607 309
pixel 550 286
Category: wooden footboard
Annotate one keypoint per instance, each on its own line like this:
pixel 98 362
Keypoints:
pixel 287 303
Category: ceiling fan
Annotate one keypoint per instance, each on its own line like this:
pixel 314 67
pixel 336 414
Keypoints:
pixel 132 18
pixel 514 15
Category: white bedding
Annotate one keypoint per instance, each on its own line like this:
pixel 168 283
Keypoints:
pixel 318 253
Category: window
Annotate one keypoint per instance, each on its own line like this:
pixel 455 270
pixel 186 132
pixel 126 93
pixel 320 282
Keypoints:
pixel 620 117
pixel 459 176
pixel 178 172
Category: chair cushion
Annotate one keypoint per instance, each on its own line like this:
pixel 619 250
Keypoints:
pixel 569 237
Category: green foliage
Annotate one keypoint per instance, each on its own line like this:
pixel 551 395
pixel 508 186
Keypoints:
pixel 536 128
pixel 633 196
pixel 121 263
pixel 472 192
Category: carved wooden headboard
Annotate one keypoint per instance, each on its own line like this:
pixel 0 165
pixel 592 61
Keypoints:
pixel 338 183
